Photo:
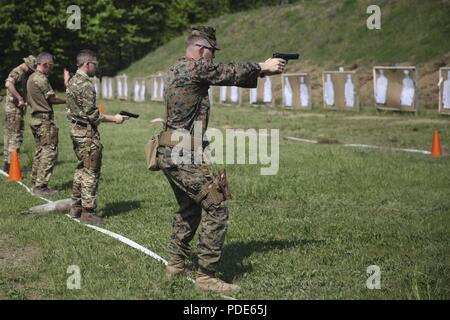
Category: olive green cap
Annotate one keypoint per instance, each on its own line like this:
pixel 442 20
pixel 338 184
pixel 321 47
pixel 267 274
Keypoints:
pixel 30 61
pixel 206 32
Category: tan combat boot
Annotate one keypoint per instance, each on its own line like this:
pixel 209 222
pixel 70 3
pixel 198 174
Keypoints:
pixel 210 283
pixel 89 217
pixel 175 267
pixel 43 191
pixel 75 212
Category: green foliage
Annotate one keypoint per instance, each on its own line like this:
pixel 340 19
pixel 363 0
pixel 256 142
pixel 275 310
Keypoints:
pixel 119 31
pixel 181 13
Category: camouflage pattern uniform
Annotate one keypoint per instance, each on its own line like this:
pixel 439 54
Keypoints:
pixel 187 101
pixel 84 117
pixel 43 128
pixel 14 115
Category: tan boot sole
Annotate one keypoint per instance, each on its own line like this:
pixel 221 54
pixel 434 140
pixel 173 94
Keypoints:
pixel 230 291
pixel 172 273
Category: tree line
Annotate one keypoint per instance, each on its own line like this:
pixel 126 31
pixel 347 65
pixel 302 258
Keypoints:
pixel 119 31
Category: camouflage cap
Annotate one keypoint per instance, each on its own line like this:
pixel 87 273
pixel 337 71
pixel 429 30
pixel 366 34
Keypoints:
pixel 30 61
pixel 208 33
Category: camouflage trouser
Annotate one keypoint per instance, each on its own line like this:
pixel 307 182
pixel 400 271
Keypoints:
pixel 88 149
pixel 13 130
pixel 187 181
pixel 45 135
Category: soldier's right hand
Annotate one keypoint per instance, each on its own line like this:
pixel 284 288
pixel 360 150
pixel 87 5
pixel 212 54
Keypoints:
pixel 273 66
pixel 119 118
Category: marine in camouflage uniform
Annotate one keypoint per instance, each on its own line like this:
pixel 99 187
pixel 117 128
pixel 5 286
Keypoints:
pixel 187 101
pixel 15 108
pixel 41 98
pixel 84 118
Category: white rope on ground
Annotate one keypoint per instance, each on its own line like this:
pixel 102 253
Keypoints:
pixel 157 120
pixel 301 140
pixel 26 188
pixel 114 235
pixel 125 240
pixel 358 145
pixel 119 237
pixel 386 148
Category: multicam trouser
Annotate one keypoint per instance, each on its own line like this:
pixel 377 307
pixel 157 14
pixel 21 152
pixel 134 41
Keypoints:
pixel 45 135
pixel 88 149
pixel 13 129
pixel 187 182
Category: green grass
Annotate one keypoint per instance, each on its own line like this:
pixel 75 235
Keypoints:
pixel 326 33
pixel 309 232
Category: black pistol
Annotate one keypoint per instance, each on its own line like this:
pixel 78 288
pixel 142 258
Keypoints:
pixel 129 114
pixel 286 56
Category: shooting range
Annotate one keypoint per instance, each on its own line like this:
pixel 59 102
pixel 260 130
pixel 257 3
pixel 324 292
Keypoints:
pixel 230 95
pixel 263 94
pixel 340 90
pixel 297 186
pixel 444 91
pixel 296 88
pixel 155 85
pixel 211 96
pixel 107 88
pixel 96 83
pixel 395 88
pixel 139 90
pixel 122 87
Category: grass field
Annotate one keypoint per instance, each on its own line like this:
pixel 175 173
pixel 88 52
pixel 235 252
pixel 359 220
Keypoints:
pixel 309 232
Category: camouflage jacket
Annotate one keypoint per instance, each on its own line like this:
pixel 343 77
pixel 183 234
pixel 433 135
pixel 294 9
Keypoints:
pixel 187 83
pixel 81 99
pixel 19 78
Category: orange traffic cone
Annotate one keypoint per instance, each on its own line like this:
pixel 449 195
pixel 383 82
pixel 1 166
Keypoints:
pixel 436 146
pixel 101 108
pixel 14 170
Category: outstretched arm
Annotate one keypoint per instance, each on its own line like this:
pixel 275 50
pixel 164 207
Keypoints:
pixel 241 74
pixel 117 118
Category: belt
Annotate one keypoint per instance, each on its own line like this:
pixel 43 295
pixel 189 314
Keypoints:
pixel 79 123
pixel 42 115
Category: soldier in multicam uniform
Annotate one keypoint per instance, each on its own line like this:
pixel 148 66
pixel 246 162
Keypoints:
pixel 84 118
pixel 41 98
pixel 15 108
pixel 194 185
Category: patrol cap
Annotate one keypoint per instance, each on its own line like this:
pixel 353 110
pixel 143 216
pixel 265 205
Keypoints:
pixel 30 61
pixel 208 33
